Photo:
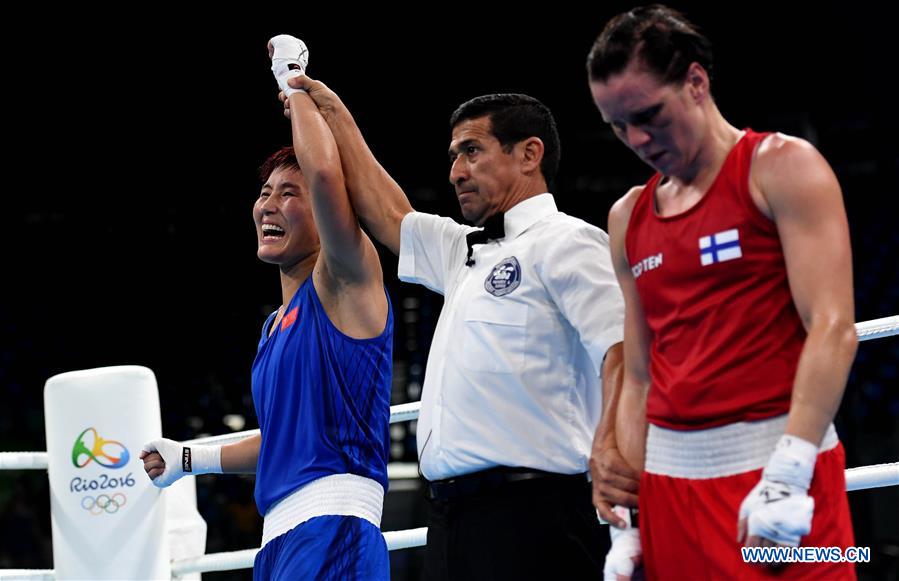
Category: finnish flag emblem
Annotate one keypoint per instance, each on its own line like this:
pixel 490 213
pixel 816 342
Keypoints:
pixel 720 247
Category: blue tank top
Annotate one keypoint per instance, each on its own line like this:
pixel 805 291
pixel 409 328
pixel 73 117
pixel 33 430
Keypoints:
pixel 322 399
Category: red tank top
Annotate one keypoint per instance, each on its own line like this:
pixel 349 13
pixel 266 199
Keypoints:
pixel 726 336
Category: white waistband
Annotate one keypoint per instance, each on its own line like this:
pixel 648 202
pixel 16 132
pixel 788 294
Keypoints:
pixel 338 494
pixel 716 452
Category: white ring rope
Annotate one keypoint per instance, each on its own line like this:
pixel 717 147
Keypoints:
pixel 231 560
pixel 874 476
pixel 23 460
pixel 404 412
pixel 38 460
pixel 30 574
pixel 866 330
pixel 877 328
pixel 861 478
pixel 244 559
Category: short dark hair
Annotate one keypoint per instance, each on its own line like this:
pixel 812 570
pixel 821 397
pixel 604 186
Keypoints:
pixel 284 157
pixel 514 118
pixel 662 38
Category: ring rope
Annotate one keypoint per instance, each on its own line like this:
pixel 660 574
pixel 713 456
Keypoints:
pixel 866 330
pixel 244 559
pixel 229 561
pixel 38 460
pixel 877 328
pixel 860 478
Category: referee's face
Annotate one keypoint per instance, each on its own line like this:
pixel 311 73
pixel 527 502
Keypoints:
pixel 483 173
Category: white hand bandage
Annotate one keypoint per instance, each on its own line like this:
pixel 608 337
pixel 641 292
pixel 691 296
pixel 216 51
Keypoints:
pixel 289 60
pixel 779 507
pixel 626 552
pixel 181 460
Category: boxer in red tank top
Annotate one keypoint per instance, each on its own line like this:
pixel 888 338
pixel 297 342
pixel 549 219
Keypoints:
pixel 735 264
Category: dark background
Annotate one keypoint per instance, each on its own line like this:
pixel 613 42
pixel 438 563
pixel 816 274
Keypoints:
pixel 130 172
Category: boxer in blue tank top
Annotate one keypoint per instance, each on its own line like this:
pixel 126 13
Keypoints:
pixel 323 402
pixel 322 374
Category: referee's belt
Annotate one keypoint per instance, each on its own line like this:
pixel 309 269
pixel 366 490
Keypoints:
pixel 494 479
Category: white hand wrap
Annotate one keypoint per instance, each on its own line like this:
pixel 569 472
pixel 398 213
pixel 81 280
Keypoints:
pixel 779 507
pixel 289 60
pixel 181 460
pixel 626 551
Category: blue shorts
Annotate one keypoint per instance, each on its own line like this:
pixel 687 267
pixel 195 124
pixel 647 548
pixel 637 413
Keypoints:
pixel 325 547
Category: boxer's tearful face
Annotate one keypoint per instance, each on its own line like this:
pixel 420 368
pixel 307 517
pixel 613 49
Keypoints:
pixel 663 123
pixel 285 229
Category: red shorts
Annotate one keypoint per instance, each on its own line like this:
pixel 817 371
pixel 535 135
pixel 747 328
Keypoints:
pixel 688 527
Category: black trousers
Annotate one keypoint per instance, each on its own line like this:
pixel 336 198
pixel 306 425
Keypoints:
pixel 532 529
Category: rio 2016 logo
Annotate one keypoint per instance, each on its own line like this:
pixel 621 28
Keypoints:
pixel 89 446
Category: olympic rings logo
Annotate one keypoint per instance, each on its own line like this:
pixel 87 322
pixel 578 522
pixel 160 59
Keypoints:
pixel 104 503
pixel 106 453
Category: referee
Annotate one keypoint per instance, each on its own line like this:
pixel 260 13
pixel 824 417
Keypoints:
pixel 512 390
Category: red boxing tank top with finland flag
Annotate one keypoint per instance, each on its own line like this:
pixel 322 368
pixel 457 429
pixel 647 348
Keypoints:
pixel 726 336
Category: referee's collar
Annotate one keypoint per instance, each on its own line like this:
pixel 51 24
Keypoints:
pixel 526 213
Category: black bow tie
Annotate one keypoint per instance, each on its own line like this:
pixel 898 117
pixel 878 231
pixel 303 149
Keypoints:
pixel 494 229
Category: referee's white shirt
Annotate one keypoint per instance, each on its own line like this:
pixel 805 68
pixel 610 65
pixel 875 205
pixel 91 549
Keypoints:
pixel 513 372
